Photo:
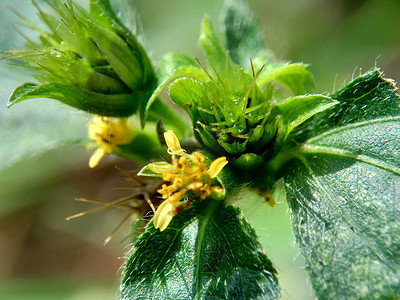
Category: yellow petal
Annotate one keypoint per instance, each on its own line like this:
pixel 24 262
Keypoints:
pixel 174 147
pixel 216 166
pixel 96 157
pixel 164 214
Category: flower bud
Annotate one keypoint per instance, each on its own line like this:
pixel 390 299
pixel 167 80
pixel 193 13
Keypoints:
pixel 86 61
pixel 229 115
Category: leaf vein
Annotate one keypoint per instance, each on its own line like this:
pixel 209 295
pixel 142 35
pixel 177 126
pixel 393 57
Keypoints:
pixel 349 154
pixel 348 219
pixel 351 126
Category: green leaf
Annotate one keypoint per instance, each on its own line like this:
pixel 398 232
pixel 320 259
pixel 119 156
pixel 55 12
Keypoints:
pixel 172 66
pixel 244 38
pixel 119 105
pixel 185 92
pixel 207 252
pixel 343 193
pixel 183 71
pixel 102 12
pixel 294 111
pixel 172 61
pixel 217 57
pixel 295 76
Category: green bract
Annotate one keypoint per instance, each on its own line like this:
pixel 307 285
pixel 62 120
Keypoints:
pixel 236 112
pixel 91 62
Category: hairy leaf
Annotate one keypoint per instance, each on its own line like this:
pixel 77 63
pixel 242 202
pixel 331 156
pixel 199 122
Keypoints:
pixel 294 111
pixel 294 76
pixel 343 193
pixel 217 57
pixel 207 252
pixel 185 92
pixel 243 35
pixel 102 12
pixel 119 105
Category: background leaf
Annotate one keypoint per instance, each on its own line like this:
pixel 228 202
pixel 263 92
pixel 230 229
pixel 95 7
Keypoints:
pixel 244 39
pixel 197 258
pixel 37 126
pixel 343 194
pixel 218 59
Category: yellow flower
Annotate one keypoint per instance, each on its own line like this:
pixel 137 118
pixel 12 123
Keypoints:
pixel 108 134
pixel 186 173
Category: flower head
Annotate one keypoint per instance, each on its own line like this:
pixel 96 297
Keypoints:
pixel 187 176
pixel 108 134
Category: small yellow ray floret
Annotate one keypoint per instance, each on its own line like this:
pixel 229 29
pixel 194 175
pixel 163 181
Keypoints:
pixel 174 147
pixel 216 166
pixel 164 214
pixel 108 134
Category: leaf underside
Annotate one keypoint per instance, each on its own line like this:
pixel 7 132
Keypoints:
pixel 119 105
pixel 207 252
pixel 344 193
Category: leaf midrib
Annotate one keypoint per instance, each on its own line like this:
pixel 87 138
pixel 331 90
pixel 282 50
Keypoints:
pixel 351 126
pixel 309 148
pixel 212 206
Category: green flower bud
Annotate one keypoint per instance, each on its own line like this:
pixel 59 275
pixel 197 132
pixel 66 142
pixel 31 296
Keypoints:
pixel 91 62
pixel 229 115
pixel 233 117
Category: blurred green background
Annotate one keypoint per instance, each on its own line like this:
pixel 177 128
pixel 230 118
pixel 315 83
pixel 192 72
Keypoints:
pixel 43 256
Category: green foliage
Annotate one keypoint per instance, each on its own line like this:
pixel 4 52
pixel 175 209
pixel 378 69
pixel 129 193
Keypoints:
pixel 294 111
pixel 217 57
pixel 343 193
pixel 295 76
pixel 188 260
pixel 172 66
pixel 259 128
pixel 236 112
pixel 244 39
pixel 120 105
pixel 83 55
